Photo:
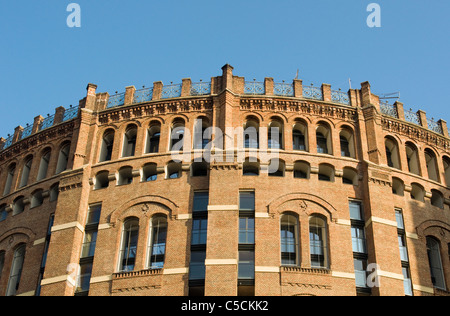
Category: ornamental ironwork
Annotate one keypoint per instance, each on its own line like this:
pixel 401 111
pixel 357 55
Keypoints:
pixel 47 122
pixel 311 92
pixel 143 95
pixel 254 88
pixel 434 126
pixel 8 141
pixel 340 97
pixel 389 109
pixel 412 117
pixel 26 131
pixel 70 113
pixel 171 91
pixel 116 100
pixel 283 89
pixel 200 88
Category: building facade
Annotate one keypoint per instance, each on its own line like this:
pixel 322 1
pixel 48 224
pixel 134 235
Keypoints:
pixel 228 187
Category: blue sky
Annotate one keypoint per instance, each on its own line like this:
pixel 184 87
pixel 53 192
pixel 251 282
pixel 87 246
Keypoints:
pixel 45 64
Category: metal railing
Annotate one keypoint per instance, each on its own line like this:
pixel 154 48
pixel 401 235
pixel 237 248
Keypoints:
pixel 283 89
pixel 143 95
pixel 200 88
pixel 339 96
pixel 254 88
pixel 389 109
pixel 116 100
pixel 171 91
pixel 412 117
pixel 311 92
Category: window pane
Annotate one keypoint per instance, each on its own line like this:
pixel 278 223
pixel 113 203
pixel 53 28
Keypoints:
pixel 247 200
pixel 246 267
pixel 201 200
pixel 94 214
pixel 197 266
pixel 355 210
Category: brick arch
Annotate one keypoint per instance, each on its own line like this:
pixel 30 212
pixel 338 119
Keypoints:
pixel 302 202
pixel 13 237
pixel 139 205
pixel 435 228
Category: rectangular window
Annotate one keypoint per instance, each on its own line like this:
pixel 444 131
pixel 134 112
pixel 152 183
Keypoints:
pixel 246 201
pixel 246 230
pixel 356 210
pixel 246 260
pixel 360 266
pixel 246 267
pixel 358 239
pixel 199 230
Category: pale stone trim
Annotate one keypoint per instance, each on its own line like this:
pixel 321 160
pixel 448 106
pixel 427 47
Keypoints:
pixel 223 207
pixel 267 269
pixel 184 216
pixel 176 271
pixel 214 262
pixel 345 222
pixel 104 226
pixel 412 235
pixel 344 275
pixel 104 278
pixel 67 226
pixel 39 241
pixel 62 278
pixel 381 221
pixel 391 275
pixel 31 293
pixel 261 215
pixel 422 288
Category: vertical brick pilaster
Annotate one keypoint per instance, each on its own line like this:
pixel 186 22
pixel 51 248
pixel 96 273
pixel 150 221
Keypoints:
pixel 298 88
pixel 186 87
pixel 129 95
pixel 157 90
pixel 268 85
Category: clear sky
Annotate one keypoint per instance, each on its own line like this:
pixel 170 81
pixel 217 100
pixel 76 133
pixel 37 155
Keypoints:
pixel 45 64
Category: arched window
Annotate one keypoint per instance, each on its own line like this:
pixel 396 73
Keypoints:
pixel 318 242
pixel 157 245
pixel 18 205
pixel 299 136
pixel 417 192
pixel 125 176
pixel 63 158
pixel 430 159
pixel 129 141
pixel 275 134
pixel 250 167
pixel 9 179
pixel 199 169
pixel 347 143
pixel 173 170
pixel 26 171
pixel 153 138
pixel 2 262
pixel 129 242
pixel 3 214
pixel 301 170
pixel 251 133
pixel 101 180
pixel 54 192
pixel 289 239
pixel 36 199
pixel 326 172
pixel 435 262
pixel 276 167
pixel 323 139
pixel 437 199
pixel 350 176
pixel 446 164
pixel 16 270
pixel 43 165
pixel 392 154
pixel 398 186
pixel 177 135
pixel 149 172
pixel 107 146
pixel 412 158
pixel 201 135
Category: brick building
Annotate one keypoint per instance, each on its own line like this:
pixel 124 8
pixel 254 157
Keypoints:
pixel 93 201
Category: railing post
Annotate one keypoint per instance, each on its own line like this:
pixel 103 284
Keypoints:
pixel 157 90
pixel 186 85
pixel 37 123
pixel 326 92
pixel 59 115
pixel 2 143
pixel 298 88
pixel 129 95
pixel 17 133
pixel 91 96
pixel 268 86
pixel 400 110
pixel 423 118
pixel 444 127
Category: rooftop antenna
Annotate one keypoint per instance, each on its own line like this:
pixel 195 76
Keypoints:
pixel 387 96
pixel 350 83
pixel 296 76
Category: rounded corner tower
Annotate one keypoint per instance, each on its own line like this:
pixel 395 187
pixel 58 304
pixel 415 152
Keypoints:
pixel 227 187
